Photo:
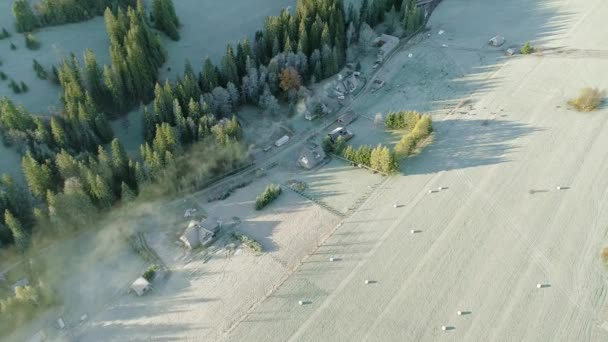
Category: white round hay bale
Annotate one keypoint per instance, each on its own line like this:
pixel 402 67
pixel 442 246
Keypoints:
pixel 332 259
pixel 395 205
pixel 301 302
pixel 440 188
pixel 444 328
pixel 366 281
pixel 538 286
pixel 412 231
pixel 459 313
pixel 559 188
pixel 430 191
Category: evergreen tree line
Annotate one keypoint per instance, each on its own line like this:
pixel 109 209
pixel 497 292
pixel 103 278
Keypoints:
pixel 59 12
pixel 181 113
pixel 411 140
pixel 135 53
pixel 70 182
pixel 69 177
pixel 164 18
pixel 379 158
pixel 16 213
pixel 373 13
pixel 81 132
pixel 402 119
pixel 311 41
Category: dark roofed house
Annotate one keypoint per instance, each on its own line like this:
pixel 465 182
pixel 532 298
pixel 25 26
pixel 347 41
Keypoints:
pixel 311 156
pixel 340 132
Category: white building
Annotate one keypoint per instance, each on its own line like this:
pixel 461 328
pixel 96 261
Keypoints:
pixel 497 41
pixel 140 286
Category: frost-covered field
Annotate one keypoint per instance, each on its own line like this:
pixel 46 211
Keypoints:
pixel 486 241
pixel 499 228
pixel 205 296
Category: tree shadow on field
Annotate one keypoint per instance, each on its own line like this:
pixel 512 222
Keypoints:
pixel 460 144
pixel 115 331
pixel 260 231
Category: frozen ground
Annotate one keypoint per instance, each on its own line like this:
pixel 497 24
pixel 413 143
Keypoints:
pixel 209 290
pixel 336 184
pixel 486 241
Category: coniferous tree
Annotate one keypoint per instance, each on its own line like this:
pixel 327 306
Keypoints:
pixel 39 69
pixel 102 192
pixel 16 199
pixel 229 68
pixel 165 18
pixel 364 12
pixel 20 235
pixel 59 135
pixel 209 78
pixel 25 19
pixel 120 160
pixel 39 176
pixel 126 194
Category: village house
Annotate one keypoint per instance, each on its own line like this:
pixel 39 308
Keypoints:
pixel 200 233
pixel 311 156
pixel 339 132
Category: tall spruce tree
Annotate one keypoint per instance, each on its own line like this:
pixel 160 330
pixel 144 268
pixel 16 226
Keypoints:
pixel 20 235
pixel 165 18
pixel 25 19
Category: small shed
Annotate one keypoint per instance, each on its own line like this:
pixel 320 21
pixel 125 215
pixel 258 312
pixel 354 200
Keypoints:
pixel 311 156
pixel 140 286
pixel 347 118
pixel 340 132
pixel 496 41
pixel 282 141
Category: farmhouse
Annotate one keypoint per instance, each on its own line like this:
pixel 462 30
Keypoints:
pixel 200 233
pixel 140 286
pixel 340 132
pixel 311 156
pixel 497 41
